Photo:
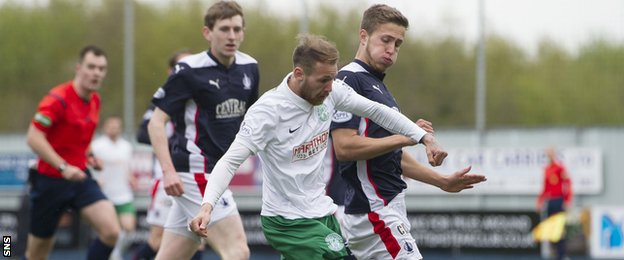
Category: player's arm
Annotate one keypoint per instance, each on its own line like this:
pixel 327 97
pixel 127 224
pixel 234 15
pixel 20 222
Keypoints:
pixel 37 141
pixel 220 178
pixel 349 146
pixel 388 118
pixel 458 181
pixel 158 138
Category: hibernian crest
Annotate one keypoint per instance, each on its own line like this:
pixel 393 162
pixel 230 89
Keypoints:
pixel 321 111
pixel 246 81
pixel 334 242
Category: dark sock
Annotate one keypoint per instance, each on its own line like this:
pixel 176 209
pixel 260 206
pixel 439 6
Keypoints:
pixel 145 252
pixel 197 255
pixel 98 250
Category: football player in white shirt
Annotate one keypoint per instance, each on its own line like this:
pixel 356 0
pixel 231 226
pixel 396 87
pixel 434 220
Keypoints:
pixel 288 128
pixel 116 179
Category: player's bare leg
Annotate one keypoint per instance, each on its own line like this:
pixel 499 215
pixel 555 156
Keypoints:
pixel 227 238
pixel 101 215
pixel 175 246
pixel 38 248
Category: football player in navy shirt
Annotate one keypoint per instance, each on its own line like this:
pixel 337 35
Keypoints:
pixel 371 160
pixel 205 98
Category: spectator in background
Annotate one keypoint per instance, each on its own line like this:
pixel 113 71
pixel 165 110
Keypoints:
pixel 556 195
pixel 60 134
pixel 115 178
pixel 160 202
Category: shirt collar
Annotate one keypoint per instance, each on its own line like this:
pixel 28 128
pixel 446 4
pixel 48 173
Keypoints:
pixel 219 64
pixel 377 74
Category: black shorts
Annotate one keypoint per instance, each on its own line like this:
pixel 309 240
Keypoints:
pixel 50 197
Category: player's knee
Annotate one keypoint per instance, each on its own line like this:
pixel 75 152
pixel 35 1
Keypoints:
pixel 238 253
pixel 109 236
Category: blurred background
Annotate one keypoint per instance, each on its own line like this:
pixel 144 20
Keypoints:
pixel 500 80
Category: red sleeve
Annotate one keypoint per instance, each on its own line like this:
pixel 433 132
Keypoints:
pixel 50 110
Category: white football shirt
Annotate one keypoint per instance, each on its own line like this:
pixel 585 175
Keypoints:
pixel 114 177
pixel 290 137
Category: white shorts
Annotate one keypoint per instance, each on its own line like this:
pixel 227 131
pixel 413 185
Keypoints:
pixel 159 206
pixel 185 207
pixel 382 234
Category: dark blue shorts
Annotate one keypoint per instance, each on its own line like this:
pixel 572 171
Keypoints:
pixel 50 197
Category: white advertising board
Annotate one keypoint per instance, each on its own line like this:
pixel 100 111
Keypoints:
pixel 515 170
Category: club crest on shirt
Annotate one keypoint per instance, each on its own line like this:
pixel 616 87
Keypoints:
pixel 321 111
pixel 246 81
pixel 311 148
pixel 334 242
pixel 408 246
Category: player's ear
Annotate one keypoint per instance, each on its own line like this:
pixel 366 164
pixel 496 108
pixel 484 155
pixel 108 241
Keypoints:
pixel 298 73
pixel 207 33
pixel 363 37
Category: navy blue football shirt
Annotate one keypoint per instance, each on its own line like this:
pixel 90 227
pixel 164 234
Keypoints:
pixel 206 102
pixel 371 184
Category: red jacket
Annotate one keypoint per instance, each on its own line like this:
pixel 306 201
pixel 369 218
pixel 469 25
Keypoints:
pixel 556 184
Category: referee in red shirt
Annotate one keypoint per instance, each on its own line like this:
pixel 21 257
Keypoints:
pixel 60 134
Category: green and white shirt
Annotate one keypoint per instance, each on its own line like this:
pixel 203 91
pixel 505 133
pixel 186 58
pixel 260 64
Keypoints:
pixel 290 136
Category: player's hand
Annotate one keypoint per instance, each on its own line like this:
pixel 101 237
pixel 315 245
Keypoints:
pixel 425 125
pixel 461 180
pixel 173 184
pixel 199 224
pixel 94 162
pixel 73 173
pixel 435 153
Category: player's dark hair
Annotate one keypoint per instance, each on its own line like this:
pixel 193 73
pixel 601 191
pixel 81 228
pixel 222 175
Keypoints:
pixel 313 49
pixel 173 60
pixel 222 10
pixel 379 14
pixel 97 51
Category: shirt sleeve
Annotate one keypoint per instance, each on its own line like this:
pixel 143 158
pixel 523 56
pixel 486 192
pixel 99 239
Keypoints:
pixel 258 127
pixel 50 110
pixel 347 99
pixel 343 119
pixel 224 170
pixel 172 96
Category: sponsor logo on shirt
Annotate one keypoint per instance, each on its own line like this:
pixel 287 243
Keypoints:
pixel 231 108
pixel 377 88
pixel 245 130
pixel 341 116
pixel 311 148
pixel 402 229
pixel 214 83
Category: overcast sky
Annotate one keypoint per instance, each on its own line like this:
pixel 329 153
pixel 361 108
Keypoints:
pixel 568 22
